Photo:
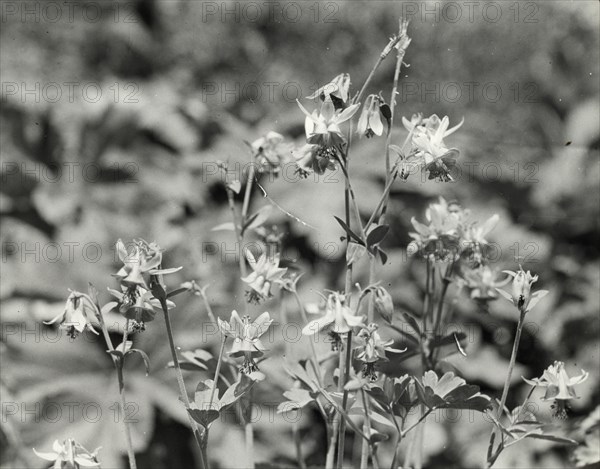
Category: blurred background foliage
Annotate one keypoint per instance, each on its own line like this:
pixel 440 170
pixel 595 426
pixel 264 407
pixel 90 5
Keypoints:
pixel 183 87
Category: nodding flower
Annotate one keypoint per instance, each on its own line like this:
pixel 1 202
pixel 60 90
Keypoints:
pixel 338 319
pixel 246 338
pixel 69 455
pixel 338 88
pixel 369 122
pixel 521 296
pixel 265 272
pixel 323 127
pixel 372 350
pixel 78 314
pixel 271 152
pixel 137 304
pixel 429 148
pixel 559 386
pixel 140 262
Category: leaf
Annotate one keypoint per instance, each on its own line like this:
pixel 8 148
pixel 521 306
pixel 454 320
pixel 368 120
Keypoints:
pixel 204 416
pixel 377 234
pixel 108 307
pixel 236 390
pixel 297 398
pixel 382 255
pixel 349 231
pixel 228 226
pixel 144 356
pixel 354 253
pixel 412 322
pixel 556 439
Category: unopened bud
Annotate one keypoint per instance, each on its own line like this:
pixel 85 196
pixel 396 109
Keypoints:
pixel 384 304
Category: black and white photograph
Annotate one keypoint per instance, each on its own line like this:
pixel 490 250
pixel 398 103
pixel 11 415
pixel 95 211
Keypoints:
pixel 299 234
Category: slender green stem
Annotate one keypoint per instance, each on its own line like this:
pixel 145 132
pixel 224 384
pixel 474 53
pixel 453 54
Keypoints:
pixel 217 371
pixel 248 192
pixel 182 391
pixel 130 452
pixel 249 433
pixel 118 363
pixel 388 48
pixel 343 378
pixel 414 425
pixel 314 358
pixel 399 59
pixel 511 366
pixel 366 449
pixel 238 231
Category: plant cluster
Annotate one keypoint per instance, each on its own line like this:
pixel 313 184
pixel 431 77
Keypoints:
pixel 348 387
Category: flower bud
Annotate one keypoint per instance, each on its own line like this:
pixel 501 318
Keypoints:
pixel 384 304
pixel 521 288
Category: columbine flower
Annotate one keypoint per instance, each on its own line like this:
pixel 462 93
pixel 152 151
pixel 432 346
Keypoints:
pixel 315 158
pixel 265 272
pixel 337 88
pixel 369 122
pixel 384 304
pixel 70 455
pixel 473 237
pixel 271 152
pixel 430 149
pixel 140 262
pixel 246 337
pixel 137 304
pixel 440 237
pixel 558 387
pixel 338 319
pixel 483 284
pixel 323 128
pixel 372 350
pixel 77 315
pixel 521 296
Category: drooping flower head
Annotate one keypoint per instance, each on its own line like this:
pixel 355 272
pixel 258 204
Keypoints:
pixel 440 237
pixel 272 152
pixel 264 273
pixel 559 387
pixel 141 261
pixel 69 455
pixel 429 149
pixel 369 122
pixel 473 238
pixel 315 158
pixel 246 339
pixel 521 296
pixel 78 314
pixel 323 127
pixel 372 350
pixel 483 284
pixel 138 305
pixel 338 319
pixel 337 90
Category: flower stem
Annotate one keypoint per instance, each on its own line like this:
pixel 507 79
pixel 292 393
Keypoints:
pixel 217 371
pixel 366 446
pixel 118 363
pixel 314 358
pixel 513 358
pixel 130 452
pixel 249 433
pixel 182 391
pixel 343 378
pixel 511 366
